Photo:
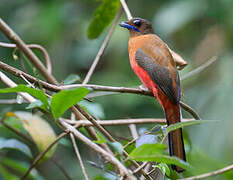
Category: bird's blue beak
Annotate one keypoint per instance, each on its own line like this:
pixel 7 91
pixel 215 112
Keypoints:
pixel 125 24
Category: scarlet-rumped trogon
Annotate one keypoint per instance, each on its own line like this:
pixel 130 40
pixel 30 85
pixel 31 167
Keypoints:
pixel 153 63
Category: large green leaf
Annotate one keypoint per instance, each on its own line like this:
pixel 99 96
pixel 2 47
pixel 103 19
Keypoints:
pixel 64 99
pixel 38 94
pixel 154 153
pixel 102 17
pixel 159 158
pixel 15 144
pixel 6 174
pixel 21 168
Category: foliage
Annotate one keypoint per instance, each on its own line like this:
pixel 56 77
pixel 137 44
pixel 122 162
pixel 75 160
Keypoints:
pixel 196 29
pixel 64 99
pixel 37 93
pixel 102 17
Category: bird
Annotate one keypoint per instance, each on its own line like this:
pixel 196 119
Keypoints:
pixel 152 61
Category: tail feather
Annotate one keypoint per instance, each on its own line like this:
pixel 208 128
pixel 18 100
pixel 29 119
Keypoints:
pixel 175 138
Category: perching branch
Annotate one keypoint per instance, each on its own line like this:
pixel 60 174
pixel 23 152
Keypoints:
pixel 118 122
pixel 55 88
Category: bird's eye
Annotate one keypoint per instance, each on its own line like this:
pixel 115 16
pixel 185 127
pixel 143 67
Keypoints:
pixel 137 22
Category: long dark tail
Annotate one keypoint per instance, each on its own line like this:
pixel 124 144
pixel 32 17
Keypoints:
pixel 175 138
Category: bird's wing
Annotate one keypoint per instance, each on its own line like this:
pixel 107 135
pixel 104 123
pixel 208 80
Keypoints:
pixel 165 77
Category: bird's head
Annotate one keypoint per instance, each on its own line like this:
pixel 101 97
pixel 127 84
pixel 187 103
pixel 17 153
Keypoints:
pixel 138 26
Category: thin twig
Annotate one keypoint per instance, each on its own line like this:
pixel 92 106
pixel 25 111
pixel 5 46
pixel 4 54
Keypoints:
pixel 213 173
pixel 103 46
pixel 33 46
pixel 78 156
pixel 126 9
pixel 200 68
pixel 61 168
pixel 122 169
pixel 41 155
pixel 27 51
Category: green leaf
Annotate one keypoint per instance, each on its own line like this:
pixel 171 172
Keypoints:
pixel 21 167
pixel 102 17
pixel 7 175
pixel 64 99
pixel 72 78
pixel 147 150
pixel 15 144
pixel 100 139
pixel 164 168
pixel 187 123
pixel 117 147
pixel 38 94
pixel 159 158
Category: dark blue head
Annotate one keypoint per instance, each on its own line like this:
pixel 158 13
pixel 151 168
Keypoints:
pixel 137 26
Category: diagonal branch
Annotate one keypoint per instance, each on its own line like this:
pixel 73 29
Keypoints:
pixel 126 9
pixel 122 169
pixel 55 88
pixel 103 46
pixel 200 68
pixel 26 50
pixel 41 155
pixel 78 156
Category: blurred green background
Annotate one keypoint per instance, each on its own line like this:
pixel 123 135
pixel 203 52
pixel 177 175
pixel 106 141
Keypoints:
pixel 196 29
